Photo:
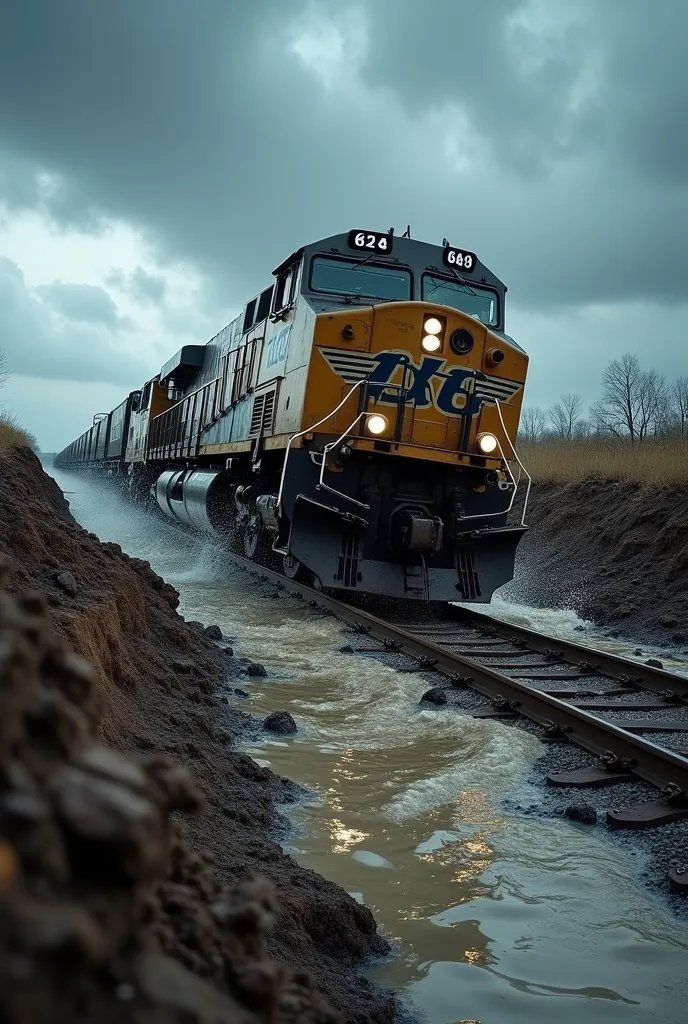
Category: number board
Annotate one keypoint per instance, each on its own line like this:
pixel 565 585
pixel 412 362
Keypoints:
pixel 370 241
pixel 461 259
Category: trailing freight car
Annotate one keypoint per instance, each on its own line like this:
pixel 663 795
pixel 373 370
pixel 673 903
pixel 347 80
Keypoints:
pixel 357 420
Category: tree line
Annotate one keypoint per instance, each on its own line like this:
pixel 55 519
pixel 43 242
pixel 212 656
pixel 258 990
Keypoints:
pixel 635 404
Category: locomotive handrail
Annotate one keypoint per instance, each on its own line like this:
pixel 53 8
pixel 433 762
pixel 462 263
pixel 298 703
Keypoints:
pixel 333 444
pixel 176 417
pixel 308 430
pixel 327 448
pixel 487 515
pixel 516 456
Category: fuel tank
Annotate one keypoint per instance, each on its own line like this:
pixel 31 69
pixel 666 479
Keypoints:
pixel 199 498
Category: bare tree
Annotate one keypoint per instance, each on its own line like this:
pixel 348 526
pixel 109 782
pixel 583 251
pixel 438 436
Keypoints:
pixel 633 400
pixel 532 425
pixel 4 372
pixel 679 402
pixel 565 415
pixel 653 403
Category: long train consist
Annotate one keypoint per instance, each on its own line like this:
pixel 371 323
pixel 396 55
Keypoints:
pixel 357 420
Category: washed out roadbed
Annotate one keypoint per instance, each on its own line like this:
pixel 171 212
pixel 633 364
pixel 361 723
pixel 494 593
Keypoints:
pixel 615 552
pixel 140 878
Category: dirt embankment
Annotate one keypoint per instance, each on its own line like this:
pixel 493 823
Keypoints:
pixel 129 889
pixel 615 552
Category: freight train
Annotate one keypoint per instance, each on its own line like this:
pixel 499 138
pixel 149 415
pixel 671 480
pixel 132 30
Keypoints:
pixel 357 422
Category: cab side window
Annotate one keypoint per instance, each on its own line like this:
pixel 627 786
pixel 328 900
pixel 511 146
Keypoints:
pixel 285 288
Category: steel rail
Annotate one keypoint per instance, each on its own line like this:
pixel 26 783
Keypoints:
pixel 613 665
pixel 649 761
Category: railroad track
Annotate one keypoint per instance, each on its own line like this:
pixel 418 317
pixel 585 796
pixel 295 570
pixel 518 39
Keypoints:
pixel 632 718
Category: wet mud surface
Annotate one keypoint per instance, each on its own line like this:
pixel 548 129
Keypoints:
pixel 140 877
pixel 614 552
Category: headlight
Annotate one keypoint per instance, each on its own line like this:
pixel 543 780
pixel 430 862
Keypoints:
pixel 376 424
pixel 432 325
pixel 487 443
pixel 431 343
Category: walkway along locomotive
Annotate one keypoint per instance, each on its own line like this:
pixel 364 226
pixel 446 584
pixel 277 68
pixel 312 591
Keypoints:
pixel 357 420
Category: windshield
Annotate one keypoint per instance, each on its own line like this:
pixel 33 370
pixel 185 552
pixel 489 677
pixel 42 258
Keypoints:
pixel 367 280
pixel 482 304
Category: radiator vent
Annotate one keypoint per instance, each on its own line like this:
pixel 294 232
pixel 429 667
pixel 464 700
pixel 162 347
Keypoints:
pixel 263 414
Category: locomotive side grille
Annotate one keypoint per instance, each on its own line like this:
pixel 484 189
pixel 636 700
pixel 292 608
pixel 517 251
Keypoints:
pixel 349 554
pixel 262 414
pixel 467 572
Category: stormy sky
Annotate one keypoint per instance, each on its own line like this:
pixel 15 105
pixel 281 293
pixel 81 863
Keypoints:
pixel 159 157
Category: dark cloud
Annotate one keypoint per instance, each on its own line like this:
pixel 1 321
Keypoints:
pixel 74 344
pixel 140 285
pixel 197 123
pixel 83 303
pixel 516 82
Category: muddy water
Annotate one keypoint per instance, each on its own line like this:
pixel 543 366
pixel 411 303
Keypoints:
pixel 567 625
pixel 495 918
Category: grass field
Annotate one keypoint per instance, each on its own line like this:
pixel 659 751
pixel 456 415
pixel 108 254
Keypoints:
pixel 12 435
pixel 653 462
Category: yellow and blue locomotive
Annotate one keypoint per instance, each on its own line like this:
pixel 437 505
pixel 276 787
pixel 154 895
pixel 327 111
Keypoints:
pixel 357 420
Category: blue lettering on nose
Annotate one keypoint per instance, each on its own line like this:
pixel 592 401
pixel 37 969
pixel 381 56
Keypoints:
pixel 416 379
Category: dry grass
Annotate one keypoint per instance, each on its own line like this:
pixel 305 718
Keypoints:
pixel 654 462
pixel 12 435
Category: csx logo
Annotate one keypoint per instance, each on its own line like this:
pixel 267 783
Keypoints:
pixel 278 345
pixel 452 390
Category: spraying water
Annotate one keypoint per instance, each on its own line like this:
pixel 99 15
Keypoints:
pixel 495 917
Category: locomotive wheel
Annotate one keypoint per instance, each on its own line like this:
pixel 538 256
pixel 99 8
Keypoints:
pixel 253 535
pixel 292 568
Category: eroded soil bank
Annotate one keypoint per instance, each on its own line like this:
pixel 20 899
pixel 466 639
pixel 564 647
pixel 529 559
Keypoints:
pixel 614 552
pixel 129 888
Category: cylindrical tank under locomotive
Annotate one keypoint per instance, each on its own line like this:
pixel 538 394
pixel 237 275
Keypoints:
pixel 365 439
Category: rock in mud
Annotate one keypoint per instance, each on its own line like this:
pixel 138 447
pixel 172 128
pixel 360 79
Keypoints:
pixel 213 632
pixel 280 721
pixel 241 693
pixel 654 663
pixel 582 812
pixel 255 669
pixel 434 696
pixel 66 582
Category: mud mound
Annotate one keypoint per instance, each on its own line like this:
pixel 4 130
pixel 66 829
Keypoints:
pixel 615 552
pixel 112 609
pixel 94 877
pixel 151 907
